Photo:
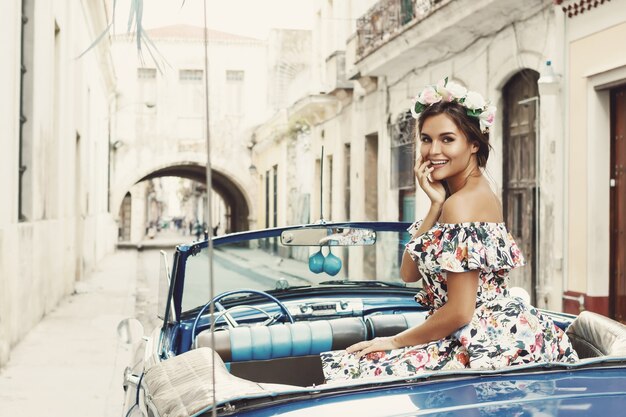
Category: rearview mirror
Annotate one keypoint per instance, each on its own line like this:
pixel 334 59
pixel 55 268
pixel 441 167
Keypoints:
pixel 328 236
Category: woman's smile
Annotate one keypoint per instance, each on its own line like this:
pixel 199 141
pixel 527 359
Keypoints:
pixel 436 164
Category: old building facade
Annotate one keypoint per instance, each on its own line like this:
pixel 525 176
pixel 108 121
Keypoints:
pixel 370 60
pixel 160 129
pixel 54 123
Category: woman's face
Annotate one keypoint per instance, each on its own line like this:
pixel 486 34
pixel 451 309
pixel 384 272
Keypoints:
pixel 446 147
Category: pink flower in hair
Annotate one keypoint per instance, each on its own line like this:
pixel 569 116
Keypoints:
pixel 487 117
pixel 429 96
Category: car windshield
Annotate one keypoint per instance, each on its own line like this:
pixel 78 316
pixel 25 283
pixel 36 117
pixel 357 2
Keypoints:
pixel 267 264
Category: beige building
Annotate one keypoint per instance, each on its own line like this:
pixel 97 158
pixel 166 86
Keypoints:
pixel 54 124
pixel 159 125
pixel 368 60
pixel 595 109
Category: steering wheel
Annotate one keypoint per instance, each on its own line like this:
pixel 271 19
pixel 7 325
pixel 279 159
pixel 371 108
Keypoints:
pixel 225 313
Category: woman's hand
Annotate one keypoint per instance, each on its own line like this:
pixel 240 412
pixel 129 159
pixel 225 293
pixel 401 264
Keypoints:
pixel 375 345
pixel 433 189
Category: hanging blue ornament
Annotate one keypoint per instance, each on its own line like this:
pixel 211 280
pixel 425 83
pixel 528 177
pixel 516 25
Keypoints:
pixel 332 264
pixel 316 262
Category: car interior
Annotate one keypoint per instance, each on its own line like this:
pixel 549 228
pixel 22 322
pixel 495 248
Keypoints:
pixel 289 353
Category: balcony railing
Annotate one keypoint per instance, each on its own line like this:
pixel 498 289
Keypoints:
pixel 388 18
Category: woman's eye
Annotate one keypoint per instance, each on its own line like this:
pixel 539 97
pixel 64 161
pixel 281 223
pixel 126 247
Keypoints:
pixel 425 140
pixel 447 139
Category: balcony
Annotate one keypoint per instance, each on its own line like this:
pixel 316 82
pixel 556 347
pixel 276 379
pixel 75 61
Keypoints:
pixel 395 36
pixel 336 73
pixel 388 18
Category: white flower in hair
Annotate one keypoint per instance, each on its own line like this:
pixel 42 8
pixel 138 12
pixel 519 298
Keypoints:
pixel 474 101
pixel 487 117
pixel 449 90
pixel 456 90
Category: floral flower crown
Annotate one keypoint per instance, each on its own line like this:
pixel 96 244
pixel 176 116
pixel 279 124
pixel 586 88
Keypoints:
pixel 450 91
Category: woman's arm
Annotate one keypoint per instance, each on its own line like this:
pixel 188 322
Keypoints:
pixel 436 192
pixel 408 267
pixel 456 313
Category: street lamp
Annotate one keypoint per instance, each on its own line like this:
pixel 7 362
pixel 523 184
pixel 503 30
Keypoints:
pixel 252 170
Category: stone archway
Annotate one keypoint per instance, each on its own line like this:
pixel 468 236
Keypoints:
pixel 223 185
pixel 233 188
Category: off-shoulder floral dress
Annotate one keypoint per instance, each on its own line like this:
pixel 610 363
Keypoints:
pixel 503 331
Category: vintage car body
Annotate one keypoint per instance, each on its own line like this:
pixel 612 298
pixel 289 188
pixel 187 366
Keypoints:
pixel 266 366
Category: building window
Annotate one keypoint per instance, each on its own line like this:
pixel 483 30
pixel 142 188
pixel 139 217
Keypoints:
pixel 234 75
pixel 403 152
pixel 25 162
pixel 275 204
pixel 146 73
pixel 190 75
pixel 191 104
pixel 265 243
pixel 329 191
pixel 267 199
pixel 147 89
pixel 234 92
pixel 275 195
pixel 346 156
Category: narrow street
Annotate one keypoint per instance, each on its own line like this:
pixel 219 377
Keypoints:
pixel 71 363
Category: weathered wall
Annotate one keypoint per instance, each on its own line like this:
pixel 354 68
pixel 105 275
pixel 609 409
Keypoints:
pixel 65 227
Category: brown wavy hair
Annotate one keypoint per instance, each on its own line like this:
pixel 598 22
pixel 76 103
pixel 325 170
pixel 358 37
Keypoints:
pixel 470 126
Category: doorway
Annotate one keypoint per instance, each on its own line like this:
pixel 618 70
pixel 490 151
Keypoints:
pixel 520 172
pixel 370 170
pixel 125 219
pixel 617 287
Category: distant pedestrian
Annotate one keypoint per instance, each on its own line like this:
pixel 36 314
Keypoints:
pixel 198 230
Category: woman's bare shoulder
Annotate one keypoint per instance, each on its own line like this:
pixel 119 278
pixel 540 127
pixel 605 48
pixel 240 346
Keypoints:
pixel 472 205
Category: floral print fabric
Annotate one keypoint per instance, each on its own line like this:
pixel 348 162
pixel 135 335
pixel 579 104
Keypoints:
pixel 503 331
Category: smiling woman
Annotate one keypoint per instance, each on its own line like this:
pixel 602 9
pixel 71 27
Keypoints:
pixel 463 253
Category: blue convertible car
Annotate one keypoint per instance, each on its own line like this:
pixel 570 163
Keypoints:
pixel 241 335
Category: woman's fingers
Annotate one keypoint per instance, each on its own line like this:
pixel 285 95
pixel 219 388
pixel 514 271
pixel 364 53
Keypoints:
pixel 358 346
pixel 365 351
pixel 428 172
pixel 363 348
pixel 421 168
pixel 423 175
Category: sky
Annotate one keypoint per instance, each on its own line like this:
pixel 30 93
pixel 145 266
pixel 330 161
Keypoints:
pixel 253 18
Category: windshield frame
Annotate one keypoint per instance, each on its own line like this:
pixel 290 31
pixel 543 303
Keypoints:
pixel 183 252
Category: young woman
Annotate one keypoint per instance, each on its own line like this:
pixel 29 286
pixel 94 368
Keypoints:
pixel 463 253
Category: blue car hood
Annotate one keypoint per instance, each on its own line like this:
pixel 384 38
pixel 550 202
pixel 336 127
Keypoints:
pixel 581 392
